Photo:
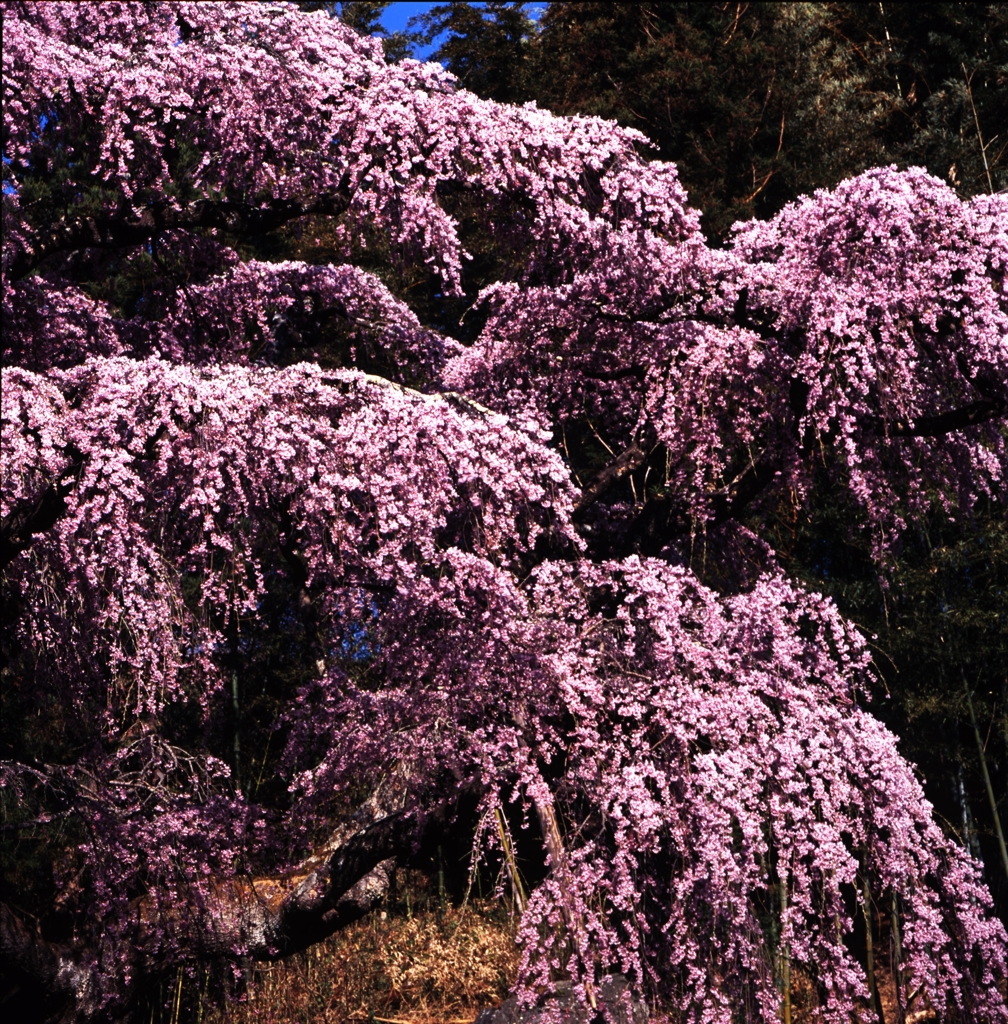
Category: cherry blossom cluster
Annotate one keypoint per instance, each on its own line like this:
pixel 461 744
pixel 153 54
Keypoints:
pixel 256 309
pixel 888 299
pixel 251 311
pixel 857 323
pixel 282 105
pixel 180 470
pixel 715 757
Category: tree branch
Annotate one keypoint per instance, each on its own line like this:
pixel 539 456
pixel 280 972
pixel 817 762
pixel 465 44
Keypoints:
pixel 665 314
pixel 731 501
pixel 38 514
pixel 117 232
pixel 626 462
pixel 945 423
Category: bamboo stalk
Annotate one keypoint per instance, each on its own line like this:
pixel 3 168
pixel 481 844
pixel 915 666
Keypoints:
pixel 440 877
pixel 987 782
pixel 517 889
pixel 873 1001
pixel 202 993
pixel 976 121
pixel 178 998
pixel 237 741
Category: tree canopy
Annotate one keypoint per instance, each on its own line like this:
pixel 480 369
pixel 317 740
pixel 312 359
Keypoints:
pixel 359 438
pixel 758 103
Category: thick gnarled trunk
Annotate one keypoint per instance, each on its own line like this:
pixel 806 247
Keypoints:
pixel 258 919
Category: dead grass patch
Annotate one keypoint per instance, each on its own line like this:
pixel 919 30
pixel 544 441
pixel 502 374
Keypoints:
pixel 432 964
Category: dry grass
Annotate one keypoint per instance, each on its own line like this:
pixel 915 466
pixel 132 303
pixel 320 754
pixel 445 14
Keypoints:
pixel 429 964
pixel 417 960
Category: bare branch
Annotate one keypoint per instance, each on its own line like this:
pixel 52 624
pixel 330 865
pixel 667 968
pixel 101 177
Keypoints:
pixel 626 462
pixel 126 230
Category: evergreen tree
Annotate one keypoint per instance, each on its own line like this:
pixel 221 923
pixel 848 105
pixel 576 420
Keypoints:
pixel 364 16
pixel 488 47
pixel 759 103
pixel 945 68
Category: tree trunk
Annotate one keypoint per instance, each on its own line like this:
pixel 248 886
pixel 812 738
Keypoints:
pixel 259 919
pixel 969 826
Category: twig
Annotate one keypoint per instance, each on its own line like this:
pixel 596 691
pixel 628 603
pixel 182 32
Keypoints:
pixel 987 780
pixel 976 121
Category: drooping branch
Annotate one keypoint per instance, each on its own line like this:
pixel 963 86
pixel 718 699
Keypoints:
pixel 726 504
pixel 659 517
pixel 125 231
pixel 944 423
pixel 737 496
pixel 38 514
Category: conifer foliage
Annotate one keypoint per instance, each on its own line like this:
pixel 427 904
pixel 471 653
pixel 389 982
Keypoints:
pixel 757 103
pixel 270 512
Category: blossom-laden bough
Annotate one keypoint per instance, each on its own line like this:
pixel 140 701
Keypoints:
pixel 191 495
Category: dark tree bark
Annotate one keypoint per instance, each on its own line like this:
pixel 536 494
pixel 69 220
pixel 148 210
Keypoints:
pixel 115 231
pixel 257 918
